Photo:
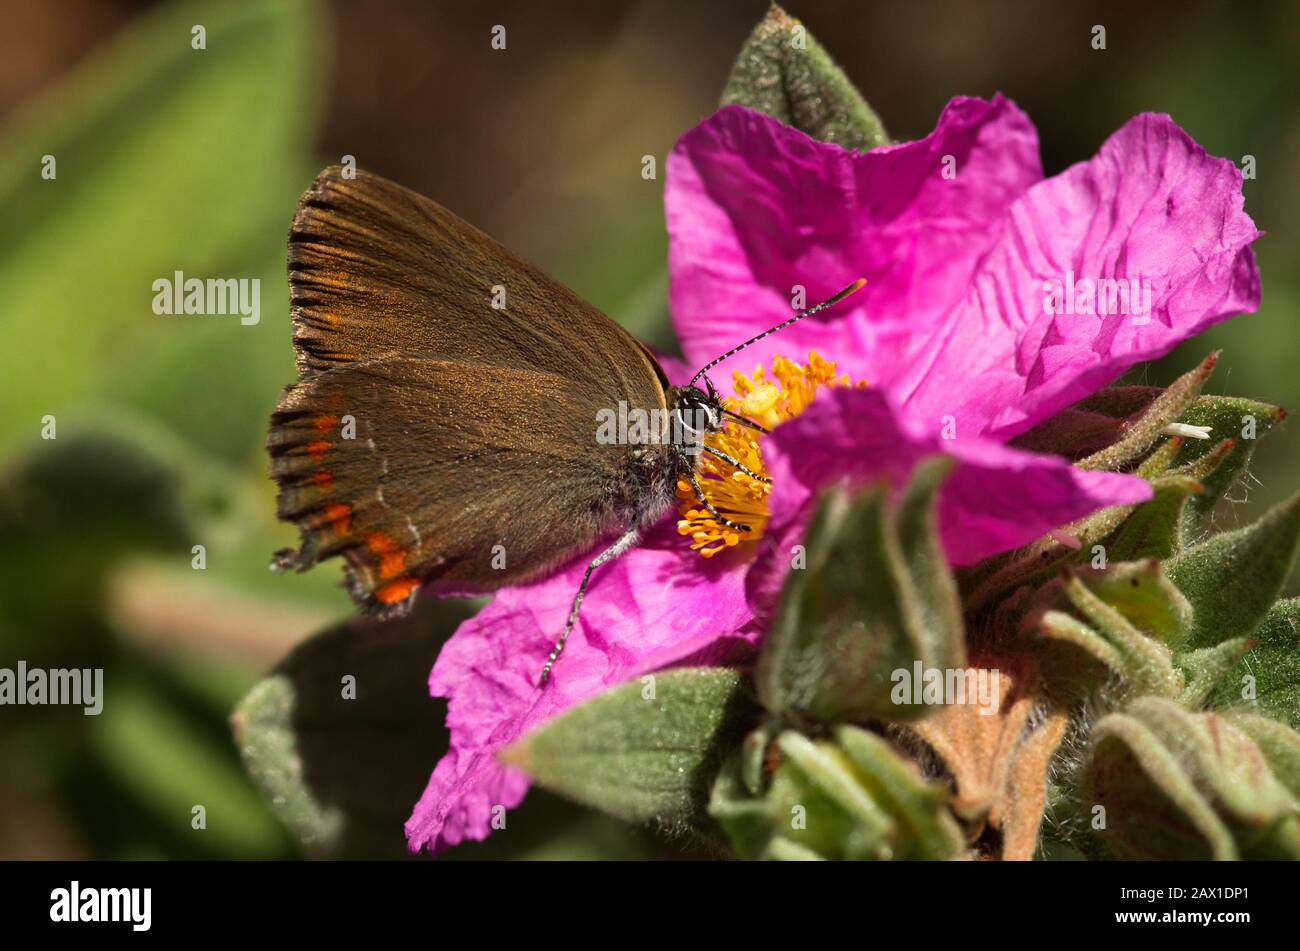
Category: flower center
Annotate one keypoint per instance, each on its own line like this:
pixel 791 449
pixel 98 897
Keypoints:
pixel 767 399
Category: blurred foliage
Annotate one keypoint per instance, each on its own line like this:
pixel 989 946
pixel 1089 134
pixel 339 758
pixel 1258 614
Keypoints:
pixel 171 158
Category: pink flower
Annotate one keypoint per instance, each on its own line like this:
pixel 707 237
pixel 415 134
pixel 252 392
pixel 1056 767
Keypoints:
pixel 964 245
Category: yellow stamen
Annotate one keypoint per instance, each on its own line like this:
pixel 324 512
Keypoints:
pixel 737 496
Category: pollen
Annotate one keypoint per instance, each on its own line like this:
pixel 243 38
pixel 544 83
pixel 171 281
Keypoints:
pixel 768 397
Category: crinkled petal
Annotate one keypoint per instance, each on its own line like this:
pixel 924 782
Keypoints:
pixel 756 208
pixel 655 605
pixel 995 499
pixel 1152 208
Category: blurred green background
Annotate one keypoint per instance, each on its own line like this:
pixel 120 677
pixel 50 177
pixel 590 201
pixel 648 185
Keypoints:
pixel 171 158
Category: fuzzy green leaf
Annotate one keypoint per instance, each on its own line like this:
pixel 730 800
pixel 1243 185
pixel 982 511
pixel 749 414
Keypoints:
pixel 919 807
pixel 342 766
pixel 1148 663
pixel 1177 784
pixel 1279 743
pixel 1232 579
pixel 1126 617
pixel 1152 807
pixel 1141 432
pixel 1155 528
pixel 1038 562
pixel 1269 676
pixel 784 72
pixel 868 603
pixel 1206 668
pixel 1142 592
pixel 1241 420
pixel 646 750
pixel 851 798
pixel 942 632
pixel 845 621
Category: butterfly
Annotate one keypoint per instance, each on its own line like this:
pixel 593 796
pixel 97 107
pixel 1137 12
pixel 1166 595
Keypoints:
pixel 443 433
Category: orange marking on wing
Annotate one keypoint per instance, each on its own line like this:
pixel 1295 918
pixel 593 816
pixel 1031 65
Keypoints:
pixel 397 590
pixel 339 514
pixel 381 543
pixel 317 449
pixel 392 561
pixel 325 422
pixel 323 478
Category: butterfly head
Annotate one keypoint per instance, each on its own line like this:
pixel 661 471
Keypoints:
pixel 697 412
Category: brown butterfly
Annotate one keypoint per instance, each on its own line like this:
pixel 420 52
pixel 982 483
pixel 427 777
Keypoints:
pixel 444 430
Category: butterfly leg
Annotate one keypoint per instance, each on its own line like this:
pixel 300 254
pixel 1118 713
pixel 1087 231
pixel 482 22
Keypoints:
pixel 737 463
pixel 709 507
pixel 626 541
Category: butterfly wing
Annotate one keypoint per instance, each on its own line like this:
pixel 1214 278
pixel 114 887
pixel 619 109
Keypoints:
pixel 375 268
pixel 433 438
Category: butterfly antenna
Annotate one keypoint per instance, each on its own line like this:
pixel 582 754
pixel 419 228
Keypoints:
pixel 829 302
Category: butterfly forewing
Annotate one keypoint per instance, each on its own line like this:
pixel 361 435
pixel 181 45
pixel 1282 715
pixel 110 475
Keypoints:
pixel 433 437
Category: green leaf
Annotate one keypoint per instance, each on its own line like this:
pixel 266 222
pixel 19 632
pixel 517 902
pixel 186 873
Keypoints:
pixel 1037 563
pixel 1153 808
pixel 646 750
pixel 784 72
pixel 867 604
pixel 1142 592
pixel 1125 617
pixel 1148 664
pixel 1206 668
pixel 1241 420
pixel 830 811
pixel 920 807
pixel 1141 431
pixel 942 629
pixel 264 729
pixel 342 766
pixel 1232 579
pixel 1067 629
pixel 168 158
pixel 1177 784
pixel 1159 461
pixel 741 810
pixel 1269 676
pixel 1279 743
pixel 853 797
pixel 1155 528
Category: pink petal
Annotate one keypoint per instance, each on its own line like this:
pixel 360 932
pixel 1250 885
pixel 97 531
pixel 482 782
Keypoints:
pixel 755 207
pixel 659 603
pixel 995 499
pixel 1153 206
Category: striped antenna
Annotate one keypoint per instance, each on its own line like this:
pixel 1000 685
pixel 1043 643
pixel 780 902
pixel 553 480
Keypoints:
pixel 830 302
